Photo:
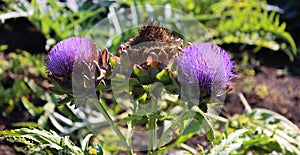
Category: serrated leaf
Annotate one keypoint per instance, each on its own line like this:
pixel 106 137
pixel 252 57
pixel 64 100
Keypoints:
pixel 227 144
pixel 37 140
pixel 273 132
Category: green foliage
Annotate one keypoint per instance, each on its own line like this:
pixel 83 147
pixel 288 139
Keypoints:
pixel 22 82
pixel 191 6
pixel 268 132
pixel 55 19
pixel 189 124
pixel 250 22
pixel 228 144
pixel 44 142
pixel 22 62
pixel 237 22
pixel 15 10
pixel 229 21
pixel 53 16
pixel 243 22
pixel 17 70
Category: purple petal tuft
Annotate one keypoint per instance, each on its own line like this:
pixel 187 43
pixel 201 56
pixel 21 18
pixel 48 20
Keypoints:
pixel 207 65
pixel 60 60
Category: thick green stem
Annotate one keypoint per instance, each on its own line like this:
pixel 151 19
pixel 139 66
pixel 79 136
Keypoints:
pixel 152 133
pixel 152 137
pixel 113 125
pixel 129 132
pixel 131 125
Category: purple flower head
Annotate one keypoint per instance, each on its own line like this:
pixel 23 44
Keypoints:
pixel 207 65
pixel 61 58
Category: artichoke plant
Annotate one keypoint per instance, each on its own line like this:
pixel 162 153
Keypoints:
pixel 74 61
pixel 150 58
pixel 148 66
pixel 206 69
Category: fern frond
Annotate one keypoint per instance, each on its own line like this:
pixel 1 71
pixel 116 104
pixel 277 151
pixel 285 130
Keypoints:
pixel 249 22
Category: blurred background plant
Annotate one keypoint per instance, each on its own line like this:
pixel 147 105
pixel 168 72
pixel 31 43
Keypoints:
pixel 238 22
pixel 253 26
pixel 58 20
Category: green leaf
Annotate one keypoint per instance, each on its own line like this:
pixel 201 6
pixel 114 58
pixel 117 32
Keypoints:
pixel 203 122
pixel 272 132
pixel 209 131
pixel 192 129
pixel 31 108
pixel 228 144
pixel 3 47
pixel 39 141
pixel 48 109
pixel 85 142
pixel 251 24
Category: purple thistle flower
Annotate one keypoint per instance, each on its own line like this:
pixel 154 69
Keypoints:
pixel 61 58
pixel 207 65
